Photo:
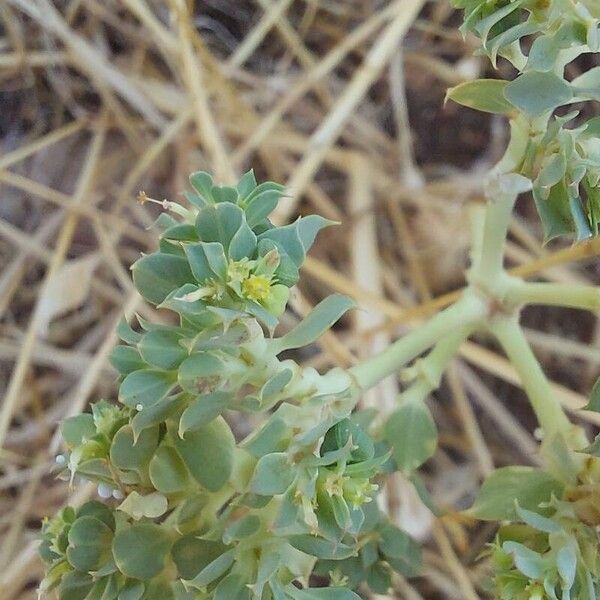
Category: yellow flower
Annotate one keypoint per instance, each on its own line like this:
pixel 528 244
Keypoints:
pixel 256 288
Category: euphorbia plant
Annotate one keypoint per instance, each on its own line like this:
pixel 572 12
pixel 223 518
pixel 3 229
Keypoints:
pixel 192 511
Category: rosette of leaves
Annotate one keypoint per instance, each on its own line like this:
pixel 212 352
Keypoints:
pixel 190 512
pixel 548 548
pixel 560 159
pixel 557 25
pixel 546 557
pixel 226 253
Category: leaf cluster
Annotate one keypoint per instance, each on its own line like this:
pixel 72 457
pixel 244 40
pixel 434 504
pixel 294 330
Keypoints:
pixel 189 511
pixel 561 160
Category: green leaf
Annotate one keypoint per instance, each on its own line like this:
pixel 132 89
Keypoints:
pixel 587 86
pixel 133 590
pixel 271 436
pixel 208 453
pixel 159 413
pixel 379 578
pixel 594 403
pixel 246 184
pixel 320 547
pixel 412 433
pixel 180 233
pixel 75 586
pixel 321 318
pixel 242 528
pixel 273 475
pixel 89 544
pixel 203 410
pixel 528 486
pixel 198 372
pixel 262 202
pixel 145 388
pixel 126 333
pixel 213 570
pixel 339 436
pixel 566 563
pixel 486 95
pixel 554 211
pixel 162 349
pixel 75 430
pixel 126 359
pixel 140 550
pixel 99 511
pixel 192 555
pixel 168 472
pixel 202 182
pixel 155 276
pixel 330 593
pixel 537 92
pixel 125 454
pixel 402 553
pixel 537 521
pixel 220 223
pixel 295 240
pixel 275 384
pixel 207 260
pixel 232 587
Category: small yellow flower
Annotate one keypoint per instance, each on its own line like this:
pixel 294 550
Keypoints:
pixel 256 288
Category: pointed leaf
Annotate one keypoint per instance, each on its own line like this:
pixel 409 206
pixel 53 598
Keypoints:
pixel 321 318
pixel 486 95
pixel 530 487
pixel 536 92
pixel 203 410
pixel 155 276
pixel 412 433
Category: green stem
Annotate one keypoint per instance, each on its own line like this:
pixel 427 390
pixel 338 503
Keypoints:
pixel 430 369
pixel 467 311
pixel 548 410
pixel 586 297
pixel 490 264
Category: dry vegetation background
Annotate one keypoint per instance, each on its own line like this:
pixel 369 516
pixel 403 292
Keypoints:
pixel 340 99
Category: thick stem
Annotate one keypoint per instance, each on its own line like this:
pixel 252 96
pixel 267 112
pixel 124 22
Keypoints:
pixel 467 311
pixel 586 297
pixel 490 264
pixel 429 371
pixel 548 410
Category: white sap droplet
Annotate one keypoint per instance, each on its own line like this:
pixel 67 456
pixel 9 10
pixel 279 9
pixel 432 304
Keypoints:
pixel 61 459
pixel 139 407
pixel 104 491
pixel 118 495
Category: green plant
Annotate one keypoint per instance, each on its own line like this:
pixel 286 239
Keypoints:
pixel 191 512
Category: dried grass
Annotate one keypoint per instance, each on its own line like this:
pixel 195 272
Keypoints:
pixel 343 102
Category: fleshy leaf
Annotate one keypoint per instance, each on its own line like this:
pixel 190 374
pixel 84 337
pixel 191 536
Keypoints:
pixel 208 453
pixel 412 434
pixel 145 388
pixel 203 410
pixel 530 487
pixel 155 276
pixel 273 475
pixel 538 92
pixel 486 95
pixel 140 550
pixel 321 318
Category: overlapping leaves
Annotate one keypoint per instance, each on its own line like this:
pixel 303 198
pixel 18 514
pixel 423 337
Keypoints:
pixel 190 513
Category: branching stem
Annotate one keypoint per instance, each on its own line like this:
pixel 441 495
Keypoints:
pixel 548 410
pixel 469 310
